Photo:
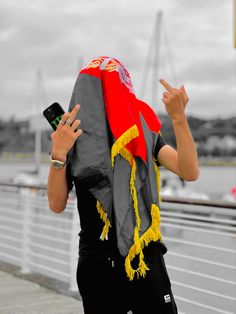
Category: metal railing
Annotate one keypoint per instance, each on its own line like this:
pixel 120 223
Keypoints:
pixel 35 238
pixel 200 237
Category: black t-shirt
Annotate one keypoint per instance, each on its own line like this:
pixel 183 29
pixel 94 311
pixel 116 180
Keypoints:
pixel 91 224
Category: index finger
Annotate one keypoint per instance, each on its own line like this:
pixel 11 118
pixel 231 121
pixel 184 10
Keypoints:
pixel 74 112
pixel 166 85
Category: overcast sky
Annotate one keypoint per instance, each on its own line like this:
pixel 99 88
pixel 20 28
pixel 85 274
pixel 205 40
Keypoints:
pixel 55 37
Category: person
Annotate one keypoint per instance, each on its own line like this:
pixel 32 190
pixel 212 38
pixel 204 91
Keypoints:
pixel 109 146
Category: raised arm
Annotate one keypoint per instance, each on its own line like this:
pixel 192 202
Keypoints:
pixel 184 161
pixel 62 141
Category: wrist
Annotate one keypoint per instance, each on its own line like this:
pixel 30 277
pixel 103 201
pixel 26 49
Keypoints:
pixel 179 120
pixel 58 156
pixel 57 164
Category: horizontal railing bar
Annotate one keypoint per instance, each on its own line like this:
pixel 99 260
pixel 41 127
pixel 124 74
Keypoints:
pixel 202 260
pixel 198 209
pixel 44 207
pixel 198 217
pixel 203 305
pixel 11 212
pixel 201 275
pixel 15 221
pixel 18 259
pixel 42 236
pixel 17 249
pixel 11 202
pixel 165 199
pixel 49 228
pixel 43 198
pixel 176 226
pixel 45 247
pixel 49 269
pixel 188 201
pixel 196 223
pixel 34 201
pixel 48 258
pixel 215 294
pixel 46 210
pixel 11 229
pixel 23 186
pixel 7 237
pixel 202 245
pixel 51 218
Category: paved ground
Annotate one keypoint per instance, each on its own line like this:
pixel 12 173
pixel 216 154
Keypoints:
pixel 20 296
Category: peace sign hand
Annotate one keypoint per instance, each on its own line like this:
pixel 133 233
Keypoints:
pixel 175 100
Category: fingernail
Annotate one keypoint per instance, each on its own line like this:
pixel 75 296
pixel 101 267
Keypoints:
pixel 77 106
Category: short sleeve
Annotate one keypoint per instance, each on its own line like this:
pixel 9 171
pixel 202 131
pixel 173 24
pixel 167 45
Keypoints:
pixel 69 177
pixel 160 143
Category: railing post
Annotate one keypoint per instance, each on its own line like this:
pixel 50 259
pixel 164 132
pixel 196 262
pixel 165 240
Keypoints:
pixel 74 248
pixel 25 268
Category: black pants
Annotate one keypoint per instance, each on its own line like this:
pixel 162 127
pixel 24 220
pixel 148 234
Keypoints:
pixel 105 288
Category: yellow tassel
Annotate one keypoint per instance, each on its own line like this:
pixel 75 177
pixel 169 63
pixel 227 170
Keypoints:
pixel 128 268
pixel 137 241
pixel 106 221
pixel 105 230
pixel 126 154
pixel 152 234
pixel 142 266
pixel 123 140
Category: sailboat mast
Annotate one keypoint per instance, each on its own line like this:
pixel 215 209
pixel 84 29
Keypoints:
pixel 156 57
pixel 152 60
pixel 40 100
pixel 234 22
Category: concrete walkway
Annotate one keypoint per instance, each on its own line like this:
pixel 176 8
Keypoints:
pixel 19 296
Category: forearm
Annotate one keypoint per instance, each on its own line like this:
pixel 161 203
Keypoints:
pixel 187 154
pixel 63 140
pixel 57 189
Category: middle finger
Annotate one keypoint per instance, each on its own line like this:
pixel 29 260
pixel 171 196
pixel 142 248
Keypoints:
pixel 167 86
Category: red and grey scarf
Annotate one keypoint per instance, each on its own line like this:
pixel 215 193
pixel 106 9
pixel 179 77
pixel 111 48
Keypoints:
pixel 124 178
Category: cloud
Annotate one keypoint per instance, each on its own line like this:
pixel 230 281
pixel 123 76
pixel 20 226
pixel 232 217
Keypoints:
pixel 55 36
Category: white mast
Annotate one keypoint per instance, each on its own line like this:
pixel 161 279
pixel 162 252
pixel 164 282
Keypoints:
pixel 153 60
pixel 156 57
pixel 39 102
pixel 234 22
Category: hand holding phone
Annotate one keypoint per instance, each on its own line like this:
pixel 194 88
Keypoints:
pixel 66 132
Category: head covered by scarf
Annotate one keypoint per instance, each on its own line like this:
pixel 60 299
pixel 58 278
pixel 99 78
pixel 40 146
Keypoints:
pixel 123 177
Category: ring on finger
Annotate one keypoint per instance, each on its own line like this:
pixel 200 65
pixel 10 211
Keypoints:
pixel 62 122
pixel 68 121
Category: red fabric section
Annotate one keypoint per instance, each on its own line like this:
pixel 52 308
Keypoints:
pixel 122 106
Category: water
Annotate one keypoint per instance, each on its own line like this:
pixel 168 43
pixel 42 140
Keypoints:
pixel 214 181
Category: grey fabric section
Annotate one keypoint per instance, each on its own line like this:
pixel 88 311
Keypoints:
pixel 151 175
pixel 90 156
pixel 123 205
pixel 91 164
pixel 147 193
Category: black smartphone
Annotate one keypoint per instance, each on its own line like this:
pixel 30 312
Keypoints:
pixel 53 114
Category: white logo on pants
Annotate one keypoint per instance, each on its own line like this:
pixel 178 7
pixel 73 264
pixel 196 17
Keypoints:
pixel 167 298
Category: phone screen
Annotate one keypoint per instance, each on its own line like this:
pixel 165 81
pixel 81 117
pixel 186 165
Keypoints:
pixel 53 114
